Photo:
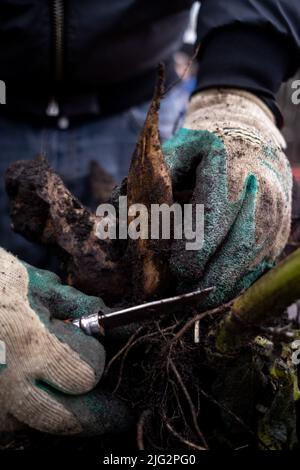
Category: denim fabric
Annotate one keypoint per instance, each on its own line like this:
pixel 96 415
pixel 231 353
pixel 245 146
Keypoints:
pixel 110 141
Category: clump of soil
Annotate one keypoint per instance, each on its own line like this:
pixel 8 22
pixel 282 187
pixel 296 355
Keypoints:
pixel 43 210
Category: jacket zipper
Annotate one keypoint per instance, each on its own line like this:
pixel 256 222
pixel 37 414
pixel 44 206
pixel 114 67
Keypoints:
pixel 58 29
pixel 58 41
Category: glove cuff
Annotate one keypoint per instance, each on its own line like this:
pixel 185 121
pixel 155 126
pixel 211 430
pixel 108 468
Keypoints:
pixel 231 104
pixel 216 95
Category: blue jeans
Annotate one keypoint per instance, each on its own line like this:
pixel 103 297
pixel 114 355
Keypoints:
pixel 110 141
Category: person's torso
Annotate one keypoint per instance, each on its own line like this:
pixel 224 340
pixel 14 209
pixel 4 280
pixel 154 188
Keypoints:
pixel 90 41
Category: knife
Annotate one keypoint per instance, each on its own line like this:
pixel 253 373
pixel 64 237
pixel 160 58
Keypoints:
pixel 96 324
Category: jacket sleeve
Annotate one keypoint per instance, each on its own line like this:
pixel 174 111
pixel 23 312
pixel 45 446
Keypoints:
pixel 250 44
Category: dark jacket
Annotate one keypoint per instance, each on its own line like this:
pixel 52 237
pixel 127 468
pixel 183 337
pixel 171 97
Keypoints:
pixel 100 56
pixel 93 56
pixel 251 44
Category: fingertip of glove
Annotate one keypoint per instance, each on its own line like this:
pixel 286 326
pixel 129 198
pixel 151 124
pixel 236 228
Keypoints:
pixel 99 413
pixel 252 184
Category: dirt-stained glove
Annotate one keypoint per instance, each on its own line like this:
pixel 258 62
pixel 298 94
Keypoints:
pixel 50 365
pixel 231 153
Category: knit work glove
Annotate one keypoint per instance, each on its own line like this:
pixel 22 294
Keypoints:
pixel 230 154
pixel 50 366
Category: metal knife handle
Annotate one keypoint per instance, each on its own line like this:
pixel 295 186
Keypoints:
pixel 90 324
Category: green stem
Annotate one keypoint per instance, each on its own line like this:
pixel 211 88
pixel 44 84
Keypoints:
pixel 265 299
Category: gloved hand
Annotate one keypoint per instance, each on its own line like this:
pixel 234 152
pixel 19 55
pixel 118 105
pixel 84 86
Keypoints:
pixel 50 365
pixel 231 153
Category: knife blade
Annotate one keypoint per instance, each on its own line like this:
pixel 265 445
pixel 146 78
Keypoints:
pixel 96 324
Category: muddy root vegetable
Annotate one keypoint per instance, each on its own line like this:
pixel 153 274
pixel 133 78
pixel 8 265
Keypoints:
pixel 149 182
